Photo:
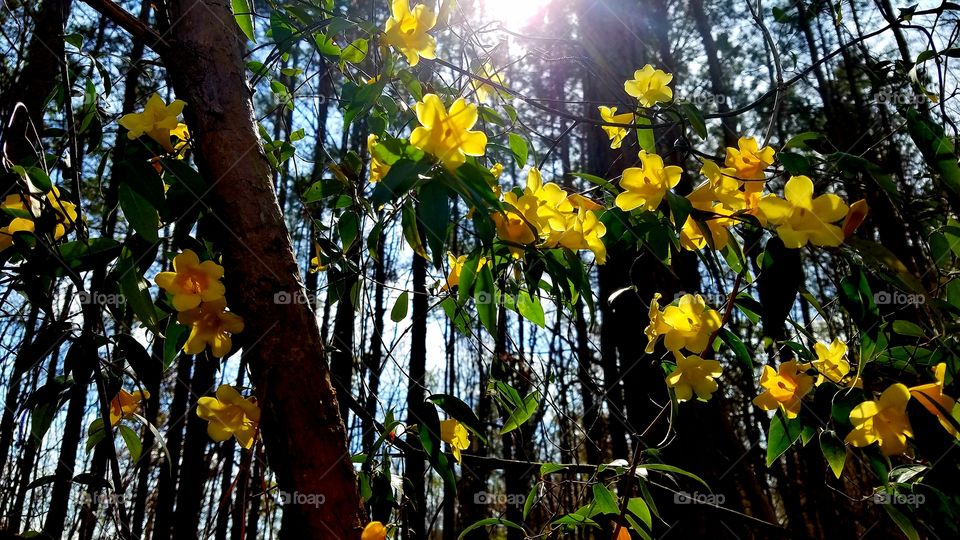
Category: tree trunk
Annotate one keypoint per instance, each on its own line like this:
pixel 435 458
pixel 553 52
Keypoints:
pixel 301 425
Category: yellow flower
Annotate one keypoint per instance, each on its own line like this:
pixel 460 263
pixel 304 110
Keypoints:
pixel 210 325
pixel 126 404
pixel 646 185
pixel 831 361
pixel 581 230
pixel 687 325
pixel 694 374
pixel 513 228
pixel 931 396
pixel 657 326
pixel 616 133
pixel 800 218
pixel 496 171
pixel 16 225
pixel 749 162
pixel 720 186
pixel 649 86
pixel 784 388
pixel 456 267
pixel 884 421
pixel 378 169
pixel 447 136
pixel 454 434
pixel 858 213
pixel 692 238
pixel 66 213
pixel 483 89
pixel 192 281
pixel 407 30
pixel 157 121
pixel 545 205
pixel 581 201
pixel 374 531
pixel 230 414
pixel 316 265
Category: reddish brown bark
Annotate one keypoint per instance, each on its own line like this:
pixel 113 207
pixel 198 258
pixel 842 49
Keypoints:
pixel 302 429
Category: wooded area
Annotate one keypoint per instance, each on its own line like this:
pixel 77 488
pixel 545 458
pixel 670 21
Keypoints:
pixel 479 269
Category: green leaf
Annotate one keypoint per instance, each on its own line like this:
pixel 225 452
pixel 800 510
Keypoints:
pixel 937 149
pixel 800 140
pixel 136 290
pixel 484 295
pixel 434 212
pixel 399 311
pixel 363 100
pixel 907 328
pixel 604 501
pixel 531 309
pixel 322 189
pixel 141 215
pixel 518 145
pixel 403 175
pixel 638 507
pixel 411 232
pixel 132 440
pixel 550 468
pixel 355 52
pixel 781 436
pixel 645 136
pixel 902 521
pixel 695 117
pixel 244 17
pixel 175 336
pixel 663 467
pixel 521 413
pixel 349 228
pixel 795 164
pixel 834 451
pixel 737 346
pixel 486 523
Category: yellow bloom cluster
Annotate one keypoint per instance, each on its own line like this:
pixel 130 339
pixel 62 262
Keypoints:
pixel 198 297
pixel 646 185
pixel 446 135
pixel 649 86
pixel 694 375
pixel 546 212
pixel 687 325
pixel 406 31
pixel 29 209
pixel 230 415
pixel 158 121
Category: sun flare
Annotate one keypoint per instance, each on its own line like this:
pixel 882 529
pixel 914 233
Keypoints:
pixel 514 14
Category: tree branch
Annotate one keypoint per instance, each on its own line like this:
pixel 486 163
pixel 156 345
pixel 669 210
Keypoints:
pixel 131 24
